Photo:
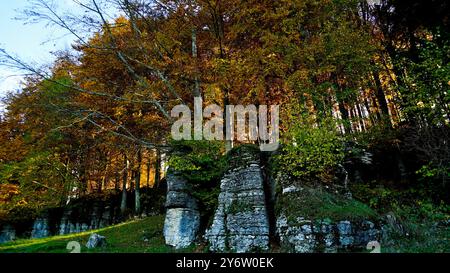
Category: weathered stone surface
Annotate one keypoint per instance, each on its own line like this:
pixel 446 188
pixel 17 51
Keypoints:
pixel 7 234
pixel 181 227
pixel 64 227
pixel 178 193
pixel 302 236
pixel 96 241
pixel 40 228
pixel 177 199
pixel 241 223
pixel 345 233
pixel 182 221
pixel 76 217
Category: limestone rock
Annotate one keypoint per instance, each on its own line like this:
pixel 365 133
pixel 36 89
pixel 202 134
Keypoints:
pixel 182 221
pixel 40 228
pixel 181 227
pixel 96 241
pixel 345 233
pixel 7 234
pixel 303 236
pixel 240 222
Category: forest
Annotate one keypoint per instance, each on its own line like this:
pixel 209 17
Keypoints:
pixel 349 76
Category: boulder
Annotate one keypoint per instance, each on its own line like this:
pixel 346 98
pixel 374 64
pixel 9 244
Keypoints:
pixel 96 241
pixel 182 221
pixel 181 227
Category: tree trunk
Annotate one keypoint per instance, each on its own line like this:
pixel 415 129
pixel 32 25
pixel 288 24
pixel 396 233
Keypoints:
pixel 197 92
pixel 158 169
pixel 123 205
pixel 345 118
pixel 149 167
pixel 137 190
pixel 381 99
pixel 361 117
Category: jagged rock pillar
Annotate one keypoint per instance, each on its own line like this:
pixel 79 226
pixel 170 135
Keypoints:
pixel 241 222
pixel 182 222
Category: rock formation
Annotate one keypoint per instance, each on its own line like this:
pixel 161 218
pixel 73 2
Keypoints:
pixel 241 222
pixel 96 241
pixel 40 228
pixel 312 233
pixel 182 222
pixel 79 216
pixel 306 236
pixel 7 234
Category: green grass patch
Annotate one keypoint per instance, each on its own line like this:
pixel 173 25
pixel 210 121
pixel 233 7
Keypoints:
pixel 424 239
pixel 318 204
pixel 140 236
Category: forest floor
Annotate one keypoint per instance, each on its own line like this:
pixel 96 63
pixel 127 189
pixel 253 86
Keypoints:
pixel 139 236
pixel 146 236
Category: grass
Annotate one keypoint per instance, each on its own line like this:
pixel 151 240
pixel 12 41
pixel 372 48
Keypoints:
pixel 139 236
pixel 425 239
pixel 318 204
pixel 146 236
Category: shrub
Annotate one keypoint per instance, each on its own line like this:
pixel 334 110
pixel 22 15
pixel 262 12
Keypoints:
pixel 202 163
pixel 311 151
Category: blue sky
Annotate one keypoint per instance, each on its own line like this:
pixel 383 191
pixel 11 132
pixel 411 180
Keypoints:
pixel 31 42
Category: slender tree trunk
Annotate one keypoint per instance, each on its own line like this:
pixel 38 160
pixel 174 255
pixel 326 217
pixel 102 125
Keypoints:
pixel 149 167
pixel 228 142
pixel 376 106
pixel 197 92
pixel 137 190
pixel 345 118
pixel 381 98
pixel 361 117
pixel 158 169
pixel 367 106
pixel 123 205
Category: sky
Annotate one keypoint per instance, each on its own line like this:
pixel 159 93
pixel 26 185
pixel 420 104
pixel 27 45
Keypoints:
pixel 31 42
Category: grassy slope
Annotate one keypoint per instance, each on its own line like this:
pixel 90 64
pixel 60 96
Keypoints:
pixel 124 238
pixel 315 203
pixel 129 238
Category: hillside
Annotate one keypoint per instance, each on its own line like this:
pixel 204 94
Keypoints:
pixel 145 236
pixel 140 236
pixel 296 126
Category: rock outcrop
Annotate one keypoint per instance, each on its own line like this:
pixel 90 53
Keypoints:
pixel 241 222
pixel 41 228
pixel 84 214
pixel 7 234
pixel 96 241
pixel 182 221
pixel 306 236
pixel 314 220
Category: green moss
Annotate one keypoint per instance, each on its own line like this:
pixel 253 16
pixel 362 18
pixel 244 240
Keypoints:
pixel 317 204
pixel 237 156
pixel 239 207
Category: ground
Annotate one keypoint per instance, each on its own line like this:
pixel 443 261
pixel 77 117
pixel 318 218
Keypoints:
pixel 139 236
pixel 145 236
